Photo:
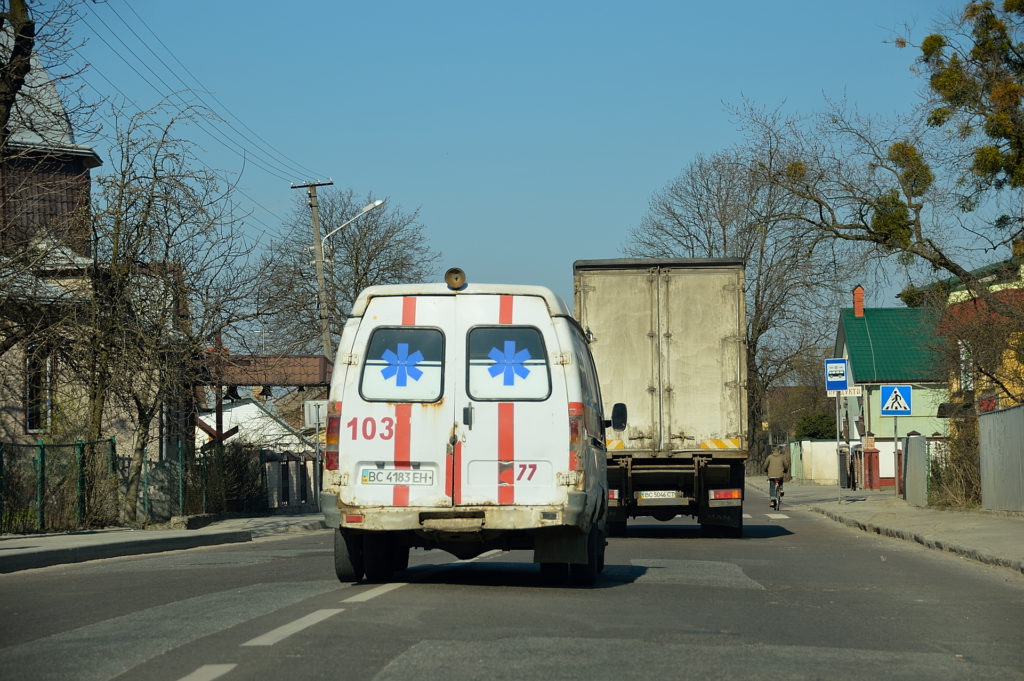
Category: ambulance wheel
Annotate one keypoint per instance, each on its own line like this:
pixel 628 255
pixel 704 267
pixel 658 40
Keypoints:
pixel 585 574
pixel 553 573
pixel 401 558
pixel 348 556
pixel 378 557
pixel 616 528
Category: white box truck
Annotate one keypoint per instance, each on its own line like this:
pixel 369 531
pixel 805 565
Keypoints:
pixel 464 417
pixel 668 339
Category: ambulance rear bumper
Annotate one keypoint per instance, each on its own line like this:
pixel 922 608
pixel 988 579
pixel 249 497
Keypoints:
pixel 466 518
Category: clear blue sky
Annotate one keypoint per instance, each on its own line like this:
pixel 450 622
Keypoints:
pixel 528 134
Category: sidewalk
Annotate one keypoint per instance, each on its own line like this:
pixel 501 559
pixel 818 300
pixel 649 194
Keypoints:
pixel 988 537
pixel 27 551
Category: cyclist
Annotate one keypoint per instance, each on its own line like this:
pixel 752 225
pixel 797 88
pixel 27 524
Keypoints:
pixel 777 468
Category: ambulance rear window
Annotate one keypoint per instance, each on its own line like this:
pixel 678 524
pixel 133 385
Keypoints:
pixel 507 363
pixel 403 364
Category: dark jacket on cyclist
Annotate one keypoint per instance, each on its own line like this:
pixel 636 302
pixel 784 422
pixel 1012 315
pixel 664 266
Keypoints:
pixel 776 465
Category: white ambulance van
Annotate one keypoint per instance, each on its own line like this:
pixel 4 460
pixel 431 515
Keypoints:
pixel 465 418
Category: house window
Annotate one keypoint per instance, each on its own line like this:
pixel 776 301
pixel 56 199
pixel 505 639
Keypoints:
pixel 37 389
pixel 966 367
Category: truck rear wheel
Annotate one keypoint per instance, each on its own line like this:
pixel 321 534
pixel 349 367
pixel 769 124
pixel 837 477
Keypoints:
pixel 348 556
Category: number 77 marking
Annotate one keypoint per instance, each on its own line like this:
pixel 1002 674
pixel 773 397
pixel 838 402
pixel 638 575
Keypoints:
pixel 523 467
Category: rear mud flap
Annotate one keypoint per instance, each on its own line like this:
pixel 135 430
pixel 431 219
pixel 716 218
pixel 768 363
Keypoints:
pixel 726 517
pixel 560 545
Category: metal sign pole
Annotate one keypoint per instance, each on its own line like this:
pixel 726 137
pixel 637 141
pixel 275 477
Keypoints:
pixel 895 456
pixel 839 457
pixel 316 461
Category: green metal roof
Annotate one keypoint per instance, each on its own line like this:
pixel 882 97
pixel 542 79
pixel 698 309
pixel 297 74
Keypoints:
pixel 890 344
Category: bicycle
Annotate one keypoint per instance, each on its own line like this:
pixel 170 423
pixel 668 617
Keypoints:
pixel 775 493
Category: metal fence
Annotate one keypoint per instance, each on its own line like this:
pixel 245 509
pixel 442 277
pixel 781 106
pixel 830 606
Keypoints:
pixel 1001 448
pixel 59 487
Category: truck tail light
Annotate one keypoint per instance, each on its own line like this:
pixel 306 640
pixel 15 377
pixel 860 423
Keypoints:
pixel 576 436
pixel 333 435
pixel 725 494
pixel 613 494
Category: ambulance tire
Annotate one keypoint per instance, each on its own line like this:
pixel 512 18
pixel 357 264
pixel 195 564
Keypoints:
pixel 617 528
pixel 401 558
pixel 553 574
pixel 585 574
pixel 378 557
pixel 348 556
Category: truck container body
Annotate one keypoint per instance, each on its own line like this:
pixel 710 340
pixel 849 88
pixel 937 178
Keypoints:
pixel 669 340
pixel 464 418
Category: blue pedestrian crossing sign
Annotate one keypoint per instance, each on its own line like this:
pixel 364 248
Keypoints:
pixel 895 400
pixel 836 374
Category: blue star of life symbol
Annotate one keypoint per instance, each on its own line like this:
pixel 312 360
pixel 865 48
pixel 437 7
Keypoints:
pixel 509 363
pixel 402 365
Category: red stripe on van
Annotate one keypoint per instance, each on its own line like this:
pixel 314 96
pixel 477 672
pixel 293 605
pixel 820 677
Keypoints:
pixel 403 418
pixel 506 453
pixel 457 475
pixel 408 310
pixel 505 310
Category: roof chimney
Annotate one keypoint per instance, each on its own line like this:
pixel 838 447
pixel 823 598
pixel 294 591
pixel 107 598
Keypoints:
pixel 858 301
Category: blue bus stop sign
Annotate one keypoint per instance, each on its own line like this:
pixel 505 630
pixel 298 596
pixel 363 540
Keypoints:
pixel 836 374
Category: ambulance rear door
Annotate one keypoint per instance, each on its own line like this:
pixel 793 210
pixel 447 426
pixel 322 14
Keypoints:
pixel 513 444
pixel 398 415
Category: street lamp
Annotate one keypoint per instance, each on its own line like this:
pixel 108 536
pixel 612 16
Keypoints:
pixel 325 330
pixel 366 209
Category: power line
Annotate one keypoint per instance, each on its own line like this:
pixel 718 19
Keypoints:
pixel 214 134
pixel 266 228
pixel 267 156
pixel 303 170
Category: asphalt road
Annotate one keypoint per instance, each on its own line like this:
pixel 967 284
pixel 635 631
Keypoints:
pixel 799 597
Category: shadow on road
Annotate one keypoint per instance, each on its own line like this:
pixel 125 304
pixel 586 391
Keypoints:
pixel 513 574
pixel 750 531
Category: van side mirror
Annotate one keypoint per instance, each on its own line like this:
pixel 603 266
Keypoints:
pixel 618 420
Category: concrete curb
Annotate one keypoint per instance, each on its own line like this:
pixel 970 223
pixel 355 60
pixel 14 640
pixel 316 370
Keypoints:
pixel 77 554
pixel 928 542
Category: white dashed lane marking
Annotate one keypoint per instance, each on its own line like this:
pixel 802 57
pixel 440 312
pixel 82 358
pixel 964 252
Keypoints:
pixel 283 632
pixel 373 593
pixel 209 672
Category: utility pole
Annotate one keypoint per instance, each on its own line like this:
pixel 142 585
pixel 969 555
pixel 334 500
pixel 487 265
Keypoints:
pixel 318 251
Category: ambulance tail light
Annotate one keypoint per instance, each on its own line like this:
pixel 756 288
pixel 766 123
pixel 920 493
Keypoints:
pixel 333 435
pixel 575 436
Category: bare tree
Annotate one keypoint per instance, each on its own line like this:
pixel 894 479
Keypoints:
pixel 721 207
pixel 169 273
pixel 385 246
